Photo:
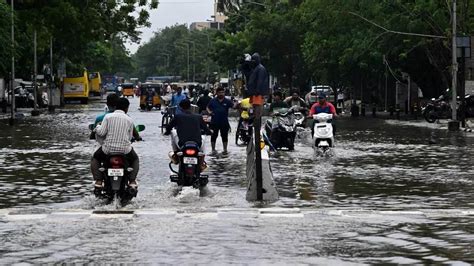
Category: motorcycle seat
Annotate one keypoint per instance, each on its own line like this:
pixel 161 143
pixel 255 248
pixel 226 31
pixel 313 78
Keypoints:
pixel 191 144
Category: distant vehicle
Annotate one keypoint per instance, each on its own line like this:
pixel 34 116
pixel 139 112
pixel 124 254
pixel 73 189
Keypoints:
pixel 128 89
pixel 162 79
pixel 21 101
pixel 327 90
pixel 150 96
pixel 77 88
pixel 95 83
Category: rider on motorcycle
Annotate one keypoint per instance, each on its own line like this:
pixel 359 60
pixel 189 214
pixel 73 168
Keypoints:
pixel 188 128
pixel 322 106
pixel 295 101
pixel 277 102
pixel 177 98
pixel 115 134
pixel 111 104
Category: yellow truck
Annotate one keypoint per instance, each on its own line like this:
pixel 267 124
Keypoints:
pixel 95 83
pixel 76 88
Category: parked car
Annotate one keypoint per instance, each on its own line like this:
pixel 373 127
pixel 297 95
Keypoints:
pixel 331 97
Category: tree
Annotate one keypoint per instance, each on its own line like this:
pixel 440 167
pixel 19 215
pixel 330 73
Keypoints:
pixel 75 26
pixel 171 44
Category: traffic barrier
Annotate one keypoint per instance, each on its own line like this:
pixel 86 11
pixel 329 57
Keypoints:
pixel 269 189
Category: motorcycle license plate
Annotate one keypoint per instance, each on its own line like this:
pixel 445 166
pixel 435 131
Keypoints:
pixel 190 160
pixel 115 172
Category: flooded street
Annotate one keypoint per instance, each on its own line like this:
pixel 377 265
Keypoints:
pixel 387 196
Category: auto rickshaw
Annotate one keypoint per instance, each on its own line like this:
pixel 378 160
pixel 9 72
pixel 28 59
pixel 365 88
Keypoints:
pixel 127 89
pixel 150 96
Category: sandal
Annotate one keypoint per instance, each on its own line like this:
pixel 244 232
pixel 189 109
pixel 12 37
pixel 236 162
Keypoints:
pixel 133 184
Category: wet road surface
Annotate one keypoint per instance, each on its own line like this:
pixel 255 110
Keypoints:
pixel 387 196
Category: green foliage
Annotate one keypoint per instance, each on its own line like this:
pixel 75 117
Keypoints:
pixel 85 33
pixel 167 54
pixel 5 45
pixel 337 42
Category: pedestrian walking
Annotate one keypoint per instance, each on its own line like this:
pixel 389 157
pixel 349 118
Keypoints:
pixel 218 108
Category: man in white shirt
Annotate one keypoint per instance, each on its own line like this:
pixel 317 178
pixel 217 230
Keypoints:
pixel 115 133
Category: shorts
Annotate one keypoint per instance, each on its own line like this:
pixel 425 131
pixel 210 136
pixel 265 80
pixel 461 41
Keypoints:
pixel 224 129
pixel 257 100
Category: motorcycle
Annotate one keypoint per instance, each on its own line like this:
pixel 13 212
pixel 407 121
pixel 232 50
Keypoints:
pixel 149 103
pixel 300 118
pixel 281 131
pixel 189 167
pixel 323 136
pixel 116 174
pixel 206 117
pixel 436 109
pixel 243 132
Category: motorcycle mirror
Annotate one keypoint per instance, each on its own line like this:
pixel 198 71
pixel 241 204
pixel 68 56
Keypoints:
pixel 91 126
pixel 140 128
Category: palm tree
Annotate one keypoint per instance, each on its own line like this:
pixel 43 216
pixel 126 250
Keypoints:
pixel 227 5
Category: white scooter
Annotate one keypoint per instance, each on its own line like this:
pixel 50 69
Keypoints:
pixel 323 138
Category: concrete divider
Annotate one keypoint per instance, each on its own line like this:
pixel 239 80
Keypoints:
pixel 269 189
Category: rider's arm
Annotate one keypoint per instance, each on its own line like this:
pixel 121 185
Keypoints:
pixel 303 103
pixel 209 108
pixel 101 130
pixel 332 110
pixel 136 135
pixel 312 110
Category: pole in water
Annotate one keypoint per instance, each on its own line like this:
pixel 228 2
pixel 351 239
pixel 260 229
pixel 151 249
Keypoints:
pixel 12 82
pixel 258 151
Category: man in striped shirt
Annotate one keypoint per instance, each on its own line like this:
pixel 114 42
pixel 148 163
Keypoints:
pixel 115 134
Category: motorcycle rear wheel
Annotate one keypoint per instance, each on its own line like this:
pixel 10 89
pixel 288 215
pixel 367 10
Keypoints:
pixel 430 116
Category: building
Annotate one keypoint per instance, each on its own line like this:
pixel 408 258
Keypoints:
pixel 217 23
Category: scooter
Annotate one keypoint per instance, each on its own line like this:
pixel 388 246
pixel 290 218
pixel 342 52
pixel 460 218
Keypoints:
pixel 323 137
pixel 281 129
pixel 189 167
pixel 116 175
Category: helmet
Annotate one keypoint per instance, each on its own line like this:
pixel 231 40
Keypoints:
pixel 322 95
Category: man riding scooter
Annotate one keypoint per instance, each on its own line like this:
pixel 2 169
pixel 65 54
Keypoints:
pixel 189 127
pixel 115 134
pixel 322 106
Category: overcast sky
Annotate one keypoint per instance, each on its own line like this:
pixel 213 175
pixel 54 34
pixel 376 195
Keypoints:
pixel 171 12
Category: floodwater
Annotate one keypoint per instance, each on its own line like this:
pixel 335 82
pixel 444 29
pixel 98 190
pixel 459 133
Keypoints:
pixel 387 196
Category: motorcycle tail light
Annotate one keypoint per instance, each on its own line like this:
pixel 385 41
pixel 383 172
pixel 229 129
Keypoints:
pixel 190 152
pixel 116 161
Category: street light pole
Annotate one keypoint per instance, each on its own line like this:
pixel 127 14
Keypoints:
pixel 187 46
pixel 386 83
pixel 12 83
pixel 35 112
pixel 207 54
pixel 455 124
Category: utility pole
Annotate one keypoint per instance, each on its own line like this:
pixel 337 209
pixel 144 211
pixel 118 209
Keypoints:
pixel 386 82
pixel 51 79
pixel 35 111
pixel 453 125
pixel 194 61
pixel 12 82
